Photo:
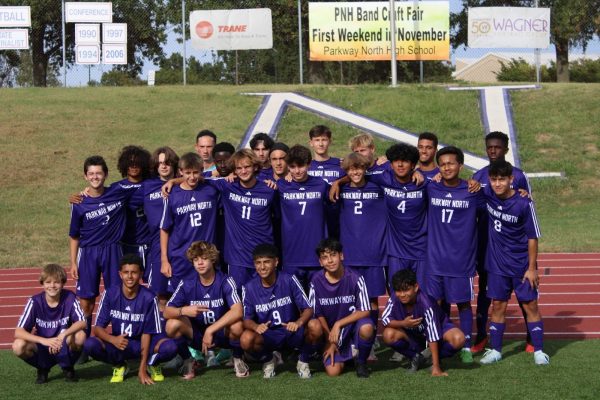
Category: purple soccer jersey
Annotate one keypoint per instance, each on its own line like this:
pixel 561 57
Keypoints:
pixel 248 219
pixel 136 224
pixel 280 303
pixel 153 202
pixel 329 170
pixel 98 221
pixel 511 223
pixel 429 174
pixel 407 216
pixel 520 182
pixel 129 317
pixel 219 297
pixel 334 301
pixel 452 229
pixel 303 220
pixel 265 174
pixel 49 321
pixel 434 320
pixel 189 216
pixel 363 223
pixel 377 169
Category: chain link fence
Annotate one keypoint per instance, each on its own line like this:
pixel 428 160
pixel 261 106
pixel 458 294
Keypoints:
pixel 155 43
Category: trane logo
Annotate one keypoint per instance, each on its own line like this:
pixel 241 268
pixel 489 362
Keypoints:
pixel 232 28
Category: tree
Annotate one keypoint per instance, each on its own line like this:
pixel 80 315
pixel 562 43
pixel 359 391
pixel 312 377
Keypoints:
pixel 145 34
pixel 572 23
pixel 9 68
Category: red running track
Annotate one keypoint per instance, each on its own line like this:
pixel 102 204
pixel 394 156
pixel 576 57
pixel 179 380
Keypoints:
pixel 569 297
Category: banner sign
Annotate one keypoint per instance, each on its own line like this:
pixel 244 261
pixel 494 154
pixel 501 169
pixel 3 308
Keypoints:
pixel 87 33
pixel 87 54
pixel 360 31
pixel 11 17
pixel 88 12
pixel 14 39
pixel 509 27
pixel 232 29
pixel 114 33
pixel 114 54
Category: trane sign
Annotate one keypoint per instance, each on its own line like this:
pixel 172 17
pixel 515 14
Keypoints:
pixel 232 29
pixel 512 27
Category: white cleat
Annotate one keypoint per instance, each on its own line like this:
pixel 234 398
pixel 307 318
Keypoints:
pixel 491 356
pixel 541 358
pixel 303 370
pixel 241 368
pixel 269 369
pixel 396 357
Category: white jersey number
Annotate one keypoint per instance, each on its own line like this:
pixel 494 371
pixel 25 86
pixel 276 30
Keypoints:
pixel 358 207
pixel 303 204
pixel 196 219
pixel 447 215
pixel 246 212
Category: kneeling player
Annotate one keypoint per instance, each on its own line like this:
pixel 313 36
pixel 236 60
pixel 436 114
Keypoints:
pixel 132 311
pixel 412 318
pixel 511 260
pixel 277 314
pixel 59 324
pixel 341 303
pixel 207 310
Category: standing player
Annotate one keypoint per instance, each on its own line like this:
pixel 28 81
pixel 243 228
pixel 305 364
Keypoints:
pixel 452 240
pixel 207 310
pixel 261 144
pixel 205 142
pixel 411 319
pixel 496 147
pixel 51 328
pixel 303 215
pixel 277 314
pixel 189 214
pixel 163 165
pixel 132 311
pixel 427 145
pixel 511 260
pixel 97 225
pixel 277 158
pixel 221 153
pixel 341 303
pixel 364 144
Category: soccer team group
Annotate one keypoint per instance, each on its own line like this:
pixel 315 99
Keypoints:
pixel 250 254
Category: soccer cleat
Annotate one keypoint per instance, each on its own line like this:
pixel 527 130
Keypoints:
pixel 42 376
pixel 83 358
pixel 541 358
pixel 397 357
pixel 174 363
pixel 189 369
pixel 156 373
pixel 303 370
pixel 119 373
pixel 196 354
pixel 529 348
pixel 70 375
pixel 224 356
pixel 211 359
pixel 376 344
pixel 278 358
pixel 269 369
pixel 372 357
pixel 479 346
pixel 427 358
pixel 241 368
pixel 466 356
pixel 415 363
pixel 362 371
pixel 491 356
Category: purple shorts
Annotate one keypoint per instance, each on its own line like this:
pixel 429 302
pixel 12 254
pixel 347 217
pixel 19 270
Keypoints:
pixel 111 355
pixel 96 260
pixel 500 287
pixel 140 250
pixel 396 264
pixel 241 275
pixel 452 289
pixel 220 340
pixel 280 338
pixel 348 337
pixel 157 282
pixel 374 279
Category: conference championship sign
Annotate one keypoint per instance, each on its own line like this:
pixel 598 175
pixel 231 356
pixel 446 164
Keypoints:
pixel 361 31
pixel 242 29
pixel 509 27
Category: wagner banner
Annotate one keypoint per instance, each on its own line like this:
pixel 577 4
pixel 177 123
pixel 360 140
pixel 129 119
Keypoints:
pixel 231 29
pixel 360 31
pixel 509 27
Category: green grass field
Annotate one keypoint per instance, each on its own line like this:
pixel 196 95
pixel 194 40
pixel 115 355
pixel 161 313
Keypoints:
pixel 573 374
pixel 45 134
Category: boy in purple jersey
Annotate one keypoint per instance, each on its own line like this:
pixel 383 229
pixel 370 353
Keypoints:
pixel 303 204
pixel 206 310
pixel 496 147
pixel 277 158
pixel 427 145
pixel 51 329
pixel 364 144
pixel 452 240
pixel 97 225
pixel 163 165
pixel 277 314
pixel 412 319
pixel 261 144
pixel 134 165
pixel 132 311
pixel 511 260
pixel 341 302
pixel 189 215
pixel 363 223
